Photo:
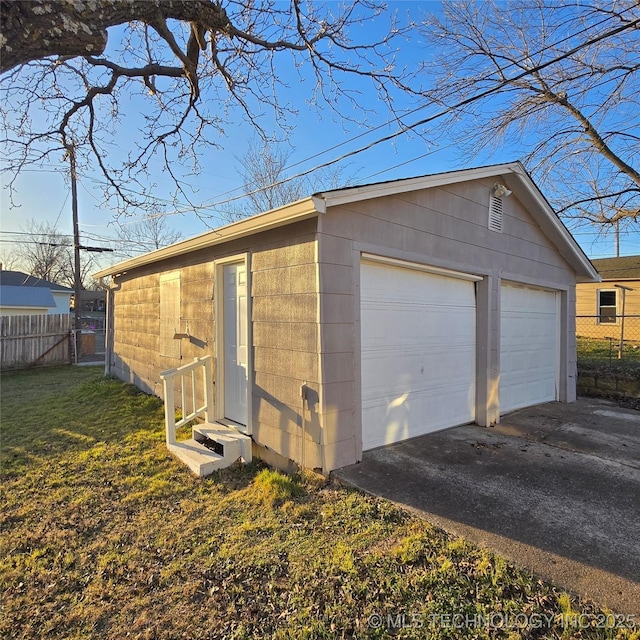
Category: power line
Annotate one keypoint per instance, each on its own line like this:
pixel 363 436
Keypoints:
pixel 89 236
pixel 63 173
pixel 406 128
pixel 439 114
pixel 428 153
pixel 628 234
pixel 55 224
pixel 462 103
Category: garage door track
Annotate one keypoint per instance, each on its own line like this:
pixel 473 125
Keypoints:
pixel 554 488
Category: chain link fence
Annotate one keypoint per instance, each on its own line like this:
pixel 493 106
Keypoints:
pixel 610 340
pixel 95 325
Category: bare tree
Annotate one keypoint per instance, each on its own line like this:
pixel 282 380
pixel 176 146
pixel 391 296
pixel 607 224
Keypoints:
pixel 46 253
pixel 69 67
pixel 263 169
pixel 560 82
pixel 146 235
pixel 9 261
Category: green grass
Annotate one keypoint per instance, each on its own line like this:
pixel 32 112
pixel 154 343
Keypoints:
pixel 603 353
pixel 104 535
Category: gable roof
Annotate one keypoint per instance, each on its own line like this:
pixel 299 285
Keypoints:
pixel 625 268
pixel 20 279
pixel 513 174
pixel 27 297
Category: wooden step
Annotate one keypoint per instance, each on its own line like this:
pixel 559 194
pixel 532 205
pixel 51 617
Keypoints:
pixel 233 443
pixel 198 458
pixel 229 444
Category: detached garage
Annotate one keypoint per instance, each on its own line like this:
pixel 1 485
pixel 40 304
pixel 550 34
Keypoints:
pixel 364 316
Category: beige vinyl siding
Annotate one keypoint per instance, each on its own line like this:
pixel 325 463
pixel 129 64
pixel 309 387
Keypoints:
pixel 284 329
pixel 136 331
pixel 23 311
pixel 196 310
pixel 587 324
pixel 285 346
pixel 449 225
pixel 443 227
pixel 169 314
pixel 339 406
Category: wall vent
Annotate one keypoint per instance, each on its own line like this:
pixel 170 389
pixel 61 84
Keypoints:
pixel 495 214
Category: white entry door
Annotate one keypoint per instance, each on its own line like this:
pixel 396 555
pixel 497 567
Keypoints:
pixel 235 342
pixel 418 344
pixel 529 354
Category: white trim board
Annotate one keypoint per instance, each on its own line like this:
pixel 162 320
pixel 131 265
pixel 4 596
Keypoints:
pixel 416 266
pixel 513 174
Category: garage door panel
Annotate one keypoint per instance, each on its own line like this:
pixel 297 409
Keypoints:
pixel 401 324
pixel 383 282
pixel 528 346
pixel 395 369
pixel 400 415
pixel 418 353
pixel 418 335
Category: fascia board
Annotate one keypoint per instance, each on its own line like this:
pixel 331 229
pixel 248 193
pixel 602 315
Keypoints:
pixel 368 192
pixel 526 191
pixel 534 201
pixel 636 279
pixel 294 212
pixel 26 307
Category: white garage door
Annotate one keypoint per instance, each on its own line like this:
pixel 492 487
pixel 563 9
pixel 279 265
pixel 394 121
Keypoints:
pixel 418 352
pixel 529 354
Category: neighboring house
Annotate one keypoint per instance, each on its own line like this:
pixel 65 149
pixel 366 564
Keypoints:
pixel 17 279
pixel 23 301
pixel 405 307
pixel 93 302
pixel 93 309
pixel 599 305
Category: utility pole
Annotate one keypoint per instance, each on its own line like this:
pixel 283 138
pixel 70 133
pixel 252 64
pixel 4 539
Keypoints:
pixel 77 247
pixel 617 238
pixel 624 292
pixel 77 283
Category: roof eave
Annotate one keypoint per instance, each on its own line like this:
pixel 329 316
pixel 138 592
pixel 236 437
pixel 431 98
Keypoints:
pixel 394 187
pixel 294 212
pixel 625 279
pixel 531 197
pixel 517 179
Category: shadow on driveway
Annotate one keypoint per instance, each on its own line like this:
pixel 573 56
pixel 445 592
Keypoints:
pixel 554 488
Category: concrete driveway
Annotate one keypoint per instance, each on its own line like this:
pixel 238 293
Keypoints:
pixel 554 488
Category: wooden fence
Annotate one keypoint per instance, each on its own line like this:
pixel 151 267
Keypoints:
pixel 38 340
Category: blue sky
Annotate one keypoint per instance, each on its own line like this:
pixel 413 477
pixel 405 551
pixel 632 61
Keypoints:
pixel 43 193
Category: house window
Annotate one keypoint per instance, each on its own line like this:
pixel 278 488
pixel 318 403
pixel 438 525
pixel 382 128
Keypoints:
pixel 169 314
pixel 607 306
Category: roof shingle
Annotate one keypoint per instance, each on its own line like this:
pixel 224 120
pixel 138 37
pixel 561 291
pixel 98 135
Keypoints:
pixel 625 268
pixel 20 279
pixel 27 297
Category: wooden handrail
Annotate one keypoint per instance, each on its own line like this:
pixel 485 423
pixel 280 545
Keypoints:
pixel 205 411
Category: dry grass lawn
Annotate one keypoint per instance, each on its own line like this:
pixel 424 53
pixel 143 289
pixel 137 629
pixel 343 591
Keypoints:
pixel 104 535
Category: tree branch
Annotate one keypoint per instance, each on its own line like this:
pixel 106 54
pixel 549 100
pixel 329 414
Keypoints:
pixel 592 132
pixel 36 29
pixel 61 80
